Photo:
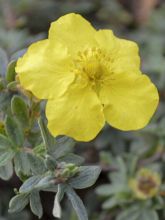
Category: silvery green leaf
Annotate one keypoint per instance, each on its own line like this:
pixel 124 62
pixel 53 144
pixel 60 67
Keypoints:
pixel 132 213
pixel 20 111
pixel 51 188
pixel 86 177
pixel 147 214
pixel 18 202
pixel 132 164
pixel 67 141
pixel 110 203
pixel 34 138
pixel 56 147
pixel 5 157
pixel 40 150
pixel 122 165
pixel 21 163
pixel 77 204
pixel 37 165
pixel 64 146
pixel 48 139
pixel 122 173
pixel 109 189
pixel 3 62
pixel 6 171
pixel 30 184
pixel 72 158
pixel 5 101
pixel 58 197
pixel 35 204
pixel 10 75
pixel 46 184
pixel 159 202
pixel 5 143
pixel 14 131
pixel 50 163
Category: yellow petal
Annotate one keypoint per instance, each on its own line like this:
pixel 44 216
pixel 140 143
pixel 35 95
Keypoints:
pixel 106 40
pixel 126 58
pixel 44 70
pixel 130 101
pixel 73 31
pixel 123 54
pixel 77 114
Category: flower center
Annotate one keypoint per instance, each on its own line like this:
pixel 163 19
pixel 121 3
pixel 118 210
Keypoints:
pixel 92 66
pixel 147 184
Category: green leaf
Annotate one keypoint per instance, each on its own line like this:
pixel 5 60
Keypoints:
pixel 72 158
pixel 6 171
pixel 122 169
pixel 3 62
pixel 50 163
pixel 48 139
pixel 58 197
pixel 108 189
pixel 110 203
pixel 14 131
pixel 47 184
pixel 30 184
pixel 22 165
pixel 5 143
pixel 5 101
pixel 39 150
pixel 20 111
pixel 147 214
pixel 34 138
pixel 77 204
pixel 132 164
pixel 37 164
pixel 2 85
pixel 132 213
pixel 35 204
pixel 87 177
pixel 12 86
pixel 119 177
pixel 10 75
pixel 18 202
pixel 64 146
pixel 5 157
pixel 158 202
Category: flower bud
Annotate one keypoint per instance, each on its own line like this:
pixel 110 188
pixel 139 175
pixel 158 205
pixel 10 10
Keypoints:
pixel 146 184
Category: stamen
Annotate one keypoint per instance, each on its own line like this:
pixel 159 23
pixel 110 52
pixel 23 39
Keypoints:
pixel 92 64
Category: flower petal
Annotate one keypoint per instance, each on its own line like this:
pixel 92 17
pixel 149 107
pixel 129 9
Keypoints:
pixel 44 70
pixel 124 54
pixel 130 101
pixel 77 114
pixel 106 40
pixel 73 31
pixel 126 59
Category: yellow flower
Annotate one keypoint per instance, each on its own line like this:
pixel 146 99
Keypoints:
pixel 146 184
pixel 88 77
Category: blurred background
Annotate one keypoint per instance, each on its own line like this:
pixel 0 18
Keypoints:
pixel 25 21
